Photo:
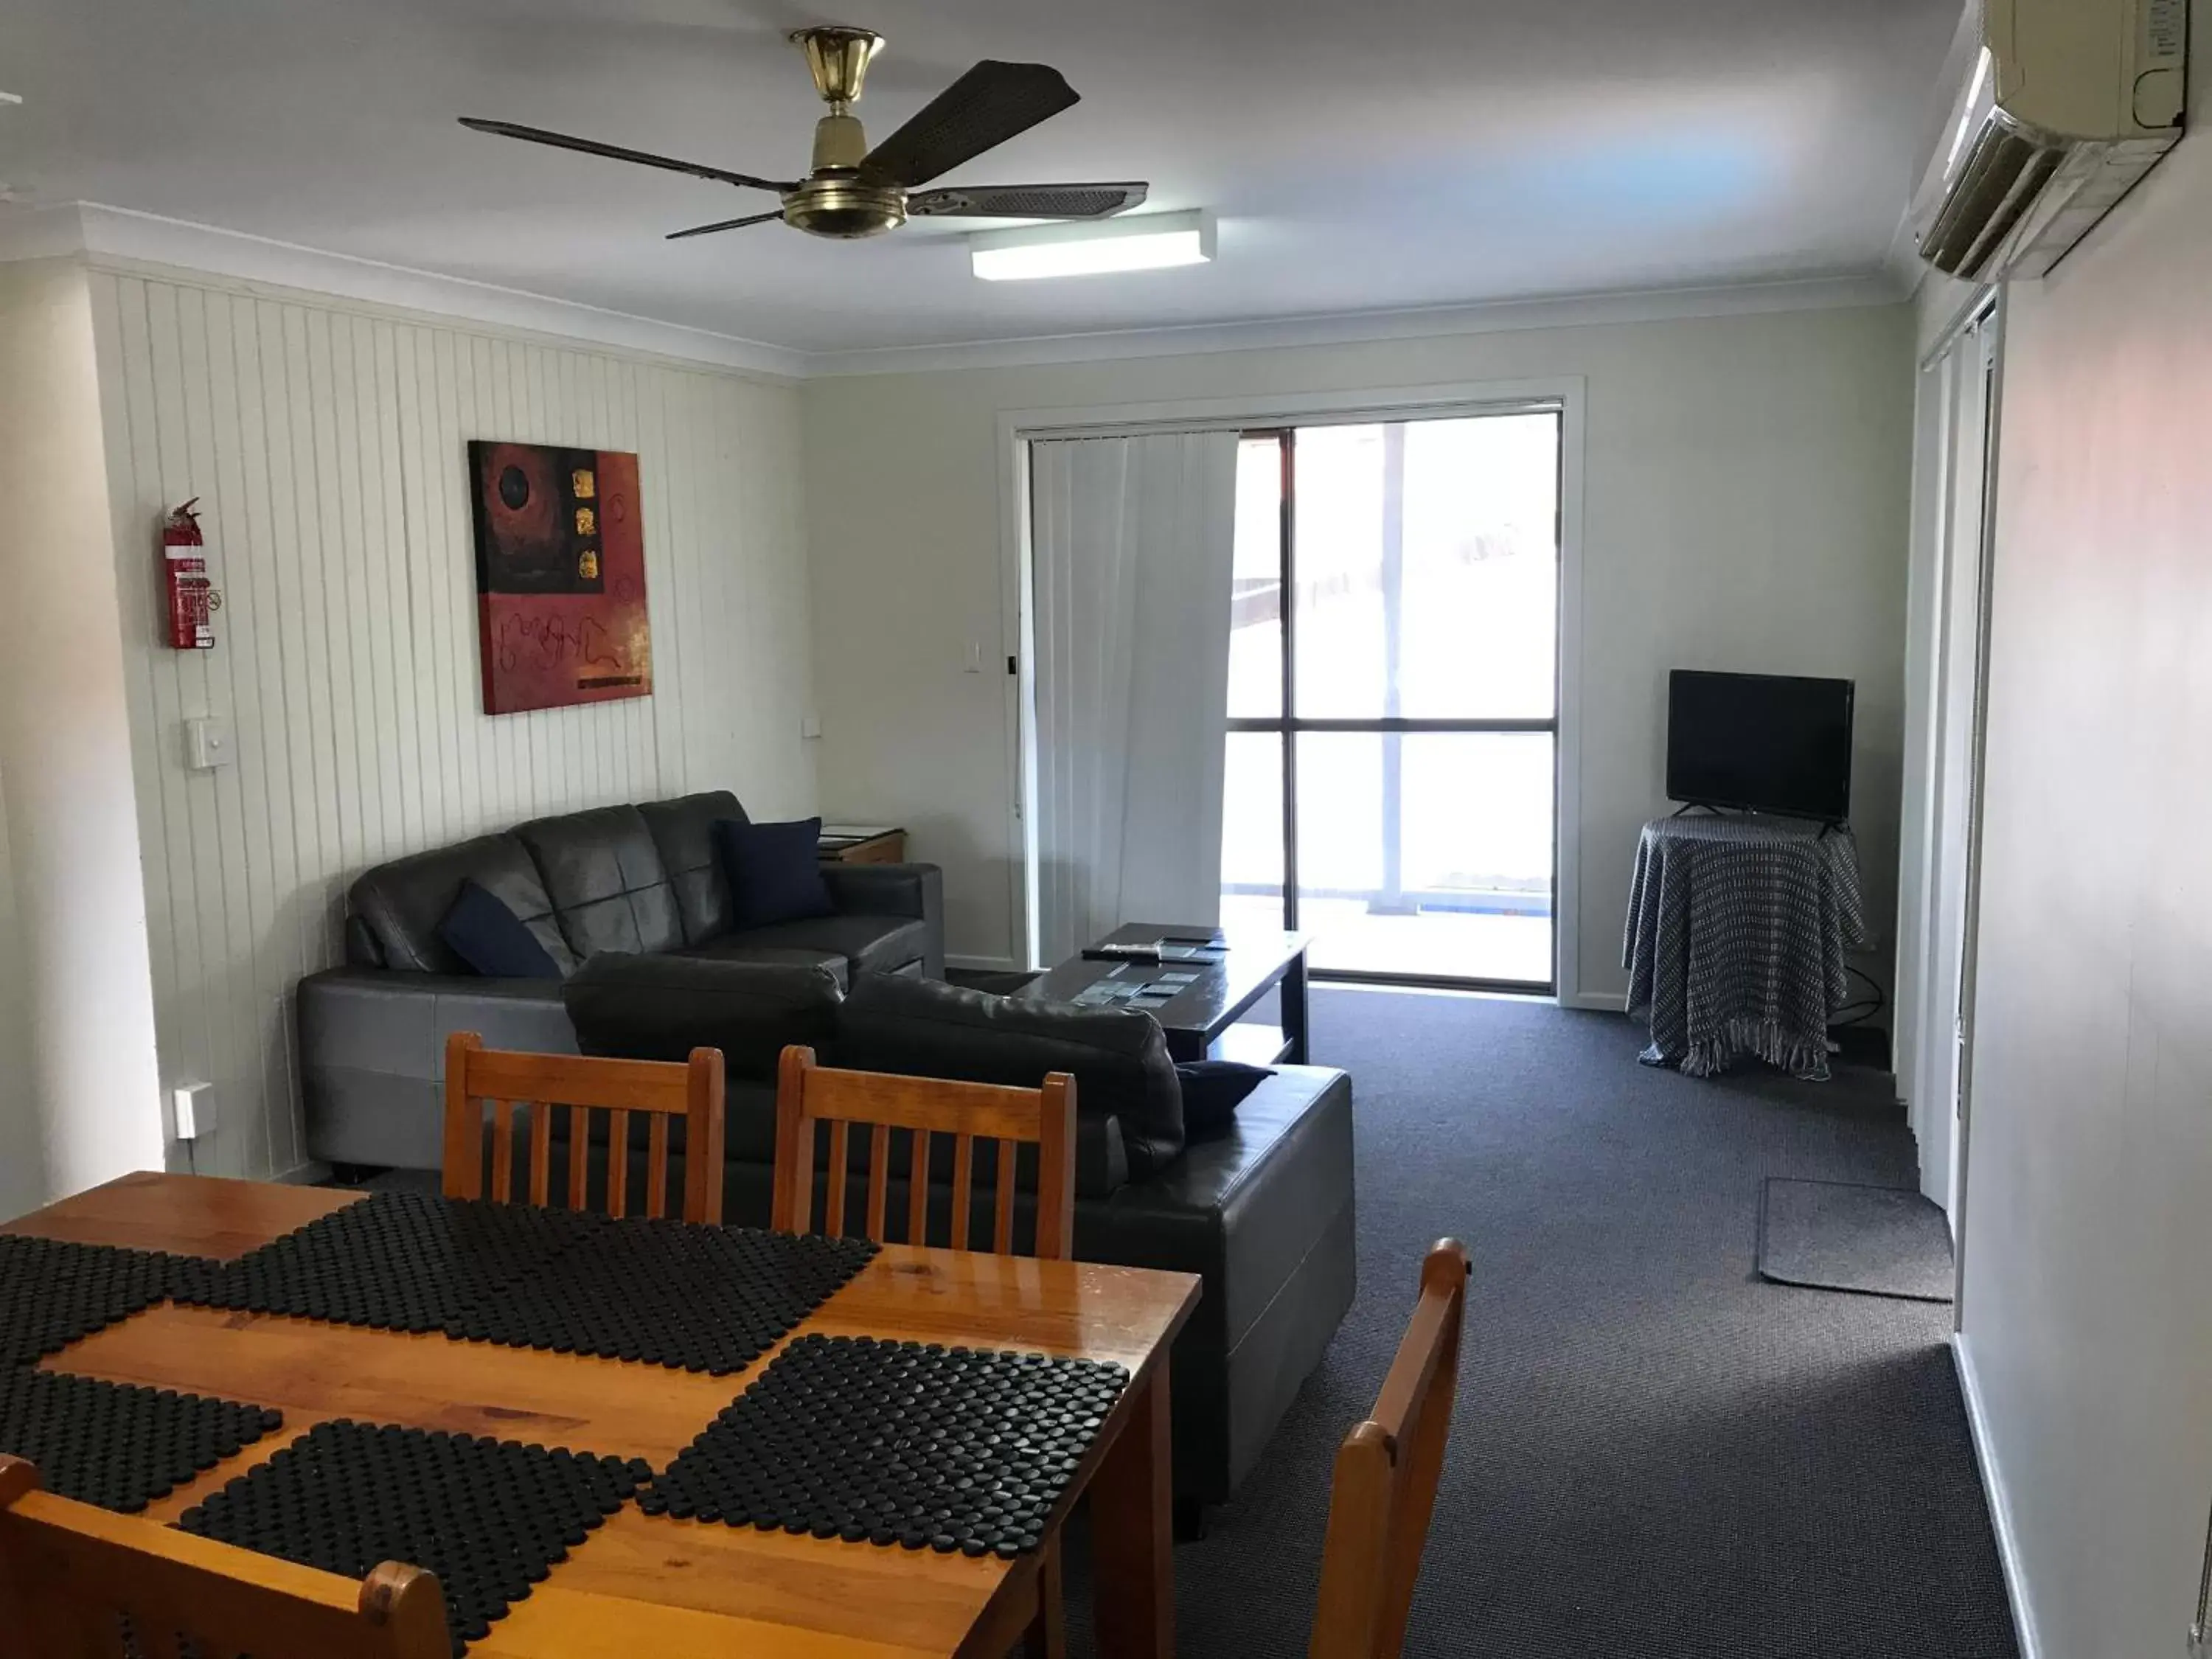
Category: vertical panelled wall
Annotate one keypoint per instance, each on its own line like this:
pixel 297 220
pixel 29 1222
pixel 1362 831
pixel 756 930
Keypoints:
pixel 327 445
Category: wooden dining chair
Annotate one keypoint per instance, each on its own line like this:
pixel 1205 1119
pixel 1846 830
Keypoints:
pixel 81 1583
pixel 476 1075
pixel 807 1094
pixel 1386 1469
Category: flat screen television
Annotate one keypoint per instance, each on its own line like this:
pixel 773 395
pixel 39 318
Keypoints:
pixel 1760 742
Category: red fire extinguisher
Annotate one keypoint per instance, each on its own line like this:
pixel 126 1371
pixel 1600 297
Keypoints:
pixel 193 597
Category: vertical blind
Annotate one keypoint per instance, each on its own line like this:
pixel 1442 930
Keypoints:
pixel 1131 539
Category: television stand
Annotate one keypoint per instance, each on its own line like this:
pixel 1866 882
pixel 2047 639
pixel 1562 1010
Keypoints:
pixel 1736 935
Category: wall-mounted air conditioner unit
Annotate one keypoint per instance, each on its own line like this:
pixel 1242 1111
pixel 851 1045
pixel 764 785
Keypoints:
pixel 2071 101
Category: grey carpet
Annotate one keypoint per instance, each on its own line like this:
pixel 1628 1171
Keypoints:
pixel 1656 1453
pixel 1841 1236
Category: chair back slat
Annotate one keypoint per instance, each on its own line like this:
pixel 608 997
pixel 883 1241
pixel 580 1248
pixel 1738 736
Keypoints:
pixel 917 1188
pixel 80 1583
pixel 579 1135
pixel 541 1154
pixel 963 1188
pixel 1002 1233
pixel 926 1108
pixel 656 1167
pixel 618 1162
pixel 503 1151
pixel 879 1180
pixel 543 1084
pixel 1386 1469
pixel 833 1221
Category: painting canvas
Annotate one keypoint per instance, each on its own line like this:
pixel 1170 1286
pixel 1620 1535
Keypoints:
pixel 560 576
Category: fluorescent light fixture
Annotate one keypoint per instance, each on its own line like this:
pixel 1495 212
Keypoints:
pixel 1089 247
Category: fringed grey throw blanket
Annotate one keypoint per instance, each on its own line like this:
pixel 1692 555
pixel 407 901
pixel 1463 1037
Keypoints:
pixel 1736 933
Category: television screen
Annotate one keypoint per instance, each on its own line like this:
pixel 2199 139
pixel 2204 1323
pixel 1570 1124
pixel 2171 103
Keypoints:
pixel 1764 743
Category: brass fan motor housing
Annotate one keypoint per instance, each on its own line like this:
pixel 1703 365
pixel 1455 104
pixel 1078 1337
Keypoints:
pixel 843 204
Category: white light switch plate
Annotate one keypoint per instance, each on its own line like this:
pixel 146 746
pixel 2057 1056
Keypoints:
pixel 207 743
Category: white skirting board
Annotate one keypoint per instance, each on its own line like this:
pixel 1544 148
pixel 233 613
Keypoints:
pixel 1993 1489
pixel 1602 1002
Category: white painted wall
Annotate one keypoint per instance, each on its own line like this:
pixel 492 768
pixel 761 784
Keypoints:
pixel 77 1032
pixel 326 439
pixel 2088 1203
pixel 1747 481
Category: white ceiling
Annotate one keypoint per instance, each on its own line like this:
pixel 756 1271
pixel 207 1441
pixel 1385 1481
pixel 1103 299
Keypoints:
pixel 1361 157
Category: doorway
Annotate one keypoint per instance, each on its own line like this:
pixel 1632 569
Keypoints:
pixel 1391 779
pixel 1949 697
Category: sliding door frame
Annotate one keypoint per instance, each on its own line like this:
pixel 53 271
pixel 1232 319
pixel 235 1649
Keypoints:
pixel 1291 726
pixel 1565 395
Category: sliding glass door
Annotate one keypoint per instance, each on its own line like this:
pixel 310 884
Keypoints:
pixel 1391 772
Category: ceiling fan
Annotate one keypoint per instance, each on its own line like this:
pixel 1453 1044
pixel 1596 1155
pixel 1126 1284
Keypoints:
pixel 853 191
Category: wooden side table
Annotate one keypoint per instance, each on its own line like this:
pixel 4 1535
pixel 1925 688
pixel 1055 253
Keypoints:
pixel 862 843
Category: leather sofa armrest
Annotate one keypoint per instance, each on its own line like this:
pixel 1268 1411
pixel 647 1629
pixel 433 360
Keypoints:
pixel 894 889
pixel 886 889
pixel 372 1054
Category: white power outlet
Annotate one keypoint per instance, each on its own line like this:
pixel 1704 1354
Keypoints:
pixel 191 1107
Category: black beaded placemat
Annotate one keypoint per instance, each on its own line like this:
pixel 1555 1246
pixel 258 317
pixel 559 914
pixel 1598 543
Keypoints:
pixel 896 1443
pixel 397 1262
pixel 491 1519
pixel 115 1445
pixel 694 1298
pixel 52 1293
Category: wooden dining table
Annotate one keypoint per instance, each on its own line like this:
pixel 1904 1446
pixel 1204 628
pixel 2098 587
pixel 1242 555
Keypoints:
pixel 651 1584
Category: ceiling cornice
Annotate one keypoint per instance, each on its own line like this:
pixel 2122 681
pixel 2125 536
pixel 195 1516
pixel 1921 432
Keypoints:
pixel 1868 288
pixel 100 233
pixel 123 237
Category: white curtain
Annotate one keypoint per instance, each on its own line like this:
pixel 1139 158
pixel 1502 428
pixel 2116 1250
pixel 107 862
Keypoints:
pixel 1132 539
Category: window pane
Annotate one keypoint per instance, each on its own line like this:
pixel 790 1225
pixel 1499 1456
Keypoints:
pixel 1339 571
pixel 1252 831
pixel 1428 853
pixel 1427 569
pixel 1255 606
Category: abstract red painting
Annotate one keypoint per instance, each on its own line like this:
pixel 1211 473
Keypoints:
pixel 560 576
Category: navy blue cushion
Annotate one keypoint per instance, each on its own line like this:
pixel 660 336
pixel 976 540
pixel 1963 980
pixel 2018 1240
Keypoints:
pixel 1210 1092
pixel 775 871
pixel 492 939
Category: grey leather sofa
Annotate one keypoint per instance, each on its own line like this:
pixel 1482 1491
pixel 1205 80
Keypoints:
pixel 639 879
pixel 1261 1212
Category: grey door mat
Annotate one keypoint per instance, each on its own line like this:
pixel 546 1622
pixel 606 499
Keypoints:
pixel 1834 1235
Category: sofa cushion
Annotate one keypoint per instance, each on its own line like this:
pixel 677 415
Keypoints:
pixel 662 1007
pixel 871 944
pixel 492 939
pixel 683 832
pixel 1118 1056
pixel 605 877
pixel 400 905
pixel 775 871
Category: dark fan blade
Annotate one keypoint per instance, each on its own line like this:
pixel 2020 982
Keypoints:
pixel 616 153
pixel 724 224
pixel 990 104
pixel 1026 201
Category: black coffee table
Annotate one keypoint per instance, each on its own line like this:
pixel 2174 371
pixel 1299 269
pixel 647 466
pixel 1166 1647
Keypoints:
pixel 1201 1020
